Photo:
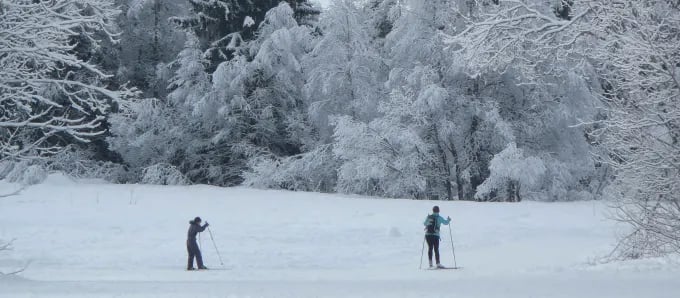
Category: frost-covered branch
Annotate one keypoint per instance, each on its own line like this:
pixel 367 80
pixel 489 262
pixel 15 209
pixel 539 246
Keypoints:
pixel 45 88
pixel 522 34
pixel 639 61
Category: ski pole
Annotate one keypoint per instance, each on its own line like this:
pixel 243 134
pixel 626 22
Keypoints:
pixel 215 245
pixel 422 251
pixel 453 250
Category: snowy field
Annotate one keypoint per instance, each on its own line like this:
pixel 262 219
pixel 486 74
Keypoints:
pixel 101 240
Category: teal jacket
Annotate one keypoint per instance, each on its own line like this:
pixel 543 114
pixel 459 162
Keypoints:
pixel 440 220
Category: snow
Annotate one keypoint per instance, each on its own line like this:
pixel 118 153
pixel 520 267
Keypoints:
pixel 248 22
pixel 103 240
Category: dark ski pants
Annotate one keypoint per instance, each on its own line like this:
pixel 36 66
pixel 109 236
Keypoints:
pixel 194 252
pixel 432 243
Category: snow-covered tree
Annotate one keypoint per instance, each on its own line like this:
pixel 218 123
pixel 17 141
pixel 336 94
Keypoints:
pixel 450 118
pixel 259 93
pixel 148 41
pixel 383 14
pixel 510 169
pixel 42 98
pixel 426 101
pixel 535 37
pixel 314 170
pixel 214 120
pixel 639 63
pixel 342 74
pixel 380 158
pixel 627 53
pixel 344 71
pixel 417 78
pixel 152 133
pixel 461 119
pixel 526 56
pixel 223 25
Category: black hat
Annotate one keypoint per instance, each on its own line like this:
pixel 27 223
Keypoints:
pixel 197 219
pixel 435 209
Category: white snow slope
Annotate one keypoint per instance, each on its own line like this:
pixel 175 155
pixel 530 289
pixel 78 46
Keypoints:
pixel 102 240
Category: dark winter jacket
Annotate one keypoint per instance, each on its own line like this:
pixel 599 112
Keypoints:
pixel 194 229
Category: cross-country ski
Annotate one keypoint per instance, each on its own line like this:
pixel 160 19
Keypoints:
pixel 444 268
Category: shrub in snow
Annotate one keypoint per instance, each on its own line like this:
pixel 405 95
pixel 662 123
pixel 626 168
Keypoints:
pixel 26 173
pixel 564 182
pixel 34 174
pixel 311 171
pixel 5 168
pixel 163 174
pixel 510 171
pixel 81 164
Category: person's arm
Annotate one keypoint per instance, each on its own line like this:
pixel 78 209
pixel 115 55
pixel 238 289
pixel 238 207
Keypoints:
pixel 444 221
pixel 427 219
pixel 201 229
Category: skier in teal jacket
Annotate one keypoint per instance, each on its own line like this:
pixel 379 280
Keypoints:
pixel 432 224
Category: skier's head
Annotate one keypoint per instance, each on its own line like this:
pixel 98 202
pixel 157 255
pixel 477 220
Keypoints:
pixel 435 209
pixel 196 220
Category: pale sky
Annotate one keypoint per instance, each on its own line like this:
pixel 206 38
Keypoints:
pixel 324 2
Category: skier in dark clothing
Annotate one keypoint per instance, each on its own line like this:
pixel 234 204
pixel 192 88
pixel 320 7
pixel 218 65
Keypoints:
pixel 192 247
pixel 432 224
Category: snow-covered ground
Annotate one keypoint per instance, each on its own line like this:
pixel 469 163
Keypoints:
pixel 101 240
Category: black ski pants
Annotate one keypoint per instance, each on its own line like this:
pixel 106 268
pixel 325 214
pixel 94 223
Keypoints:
pixel 194 252
pixel 432 244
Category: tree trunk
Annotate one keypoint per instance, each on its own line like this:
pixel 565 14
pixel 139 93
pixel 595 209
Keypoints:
pixel 445 164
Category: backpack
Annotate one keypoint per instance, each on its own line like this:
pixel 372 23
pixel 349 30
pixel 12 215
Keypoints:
pixel 431 227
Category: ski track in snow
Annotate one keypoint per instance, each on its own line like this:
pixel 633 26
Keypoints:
pixel 90 239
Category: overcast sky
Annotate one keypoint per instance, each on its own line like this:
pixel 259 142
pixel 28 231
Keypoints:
pixel 324 2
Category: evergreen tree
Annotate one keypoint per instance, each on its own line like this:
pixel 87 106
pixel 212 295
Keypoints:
pixel 148 42
pixel 263 90
pixel 224 25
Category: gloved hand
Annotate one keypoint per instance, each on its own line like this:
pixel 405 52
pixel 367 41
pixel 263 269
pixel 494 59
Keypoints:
pixel 206 224
pixel 448 218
